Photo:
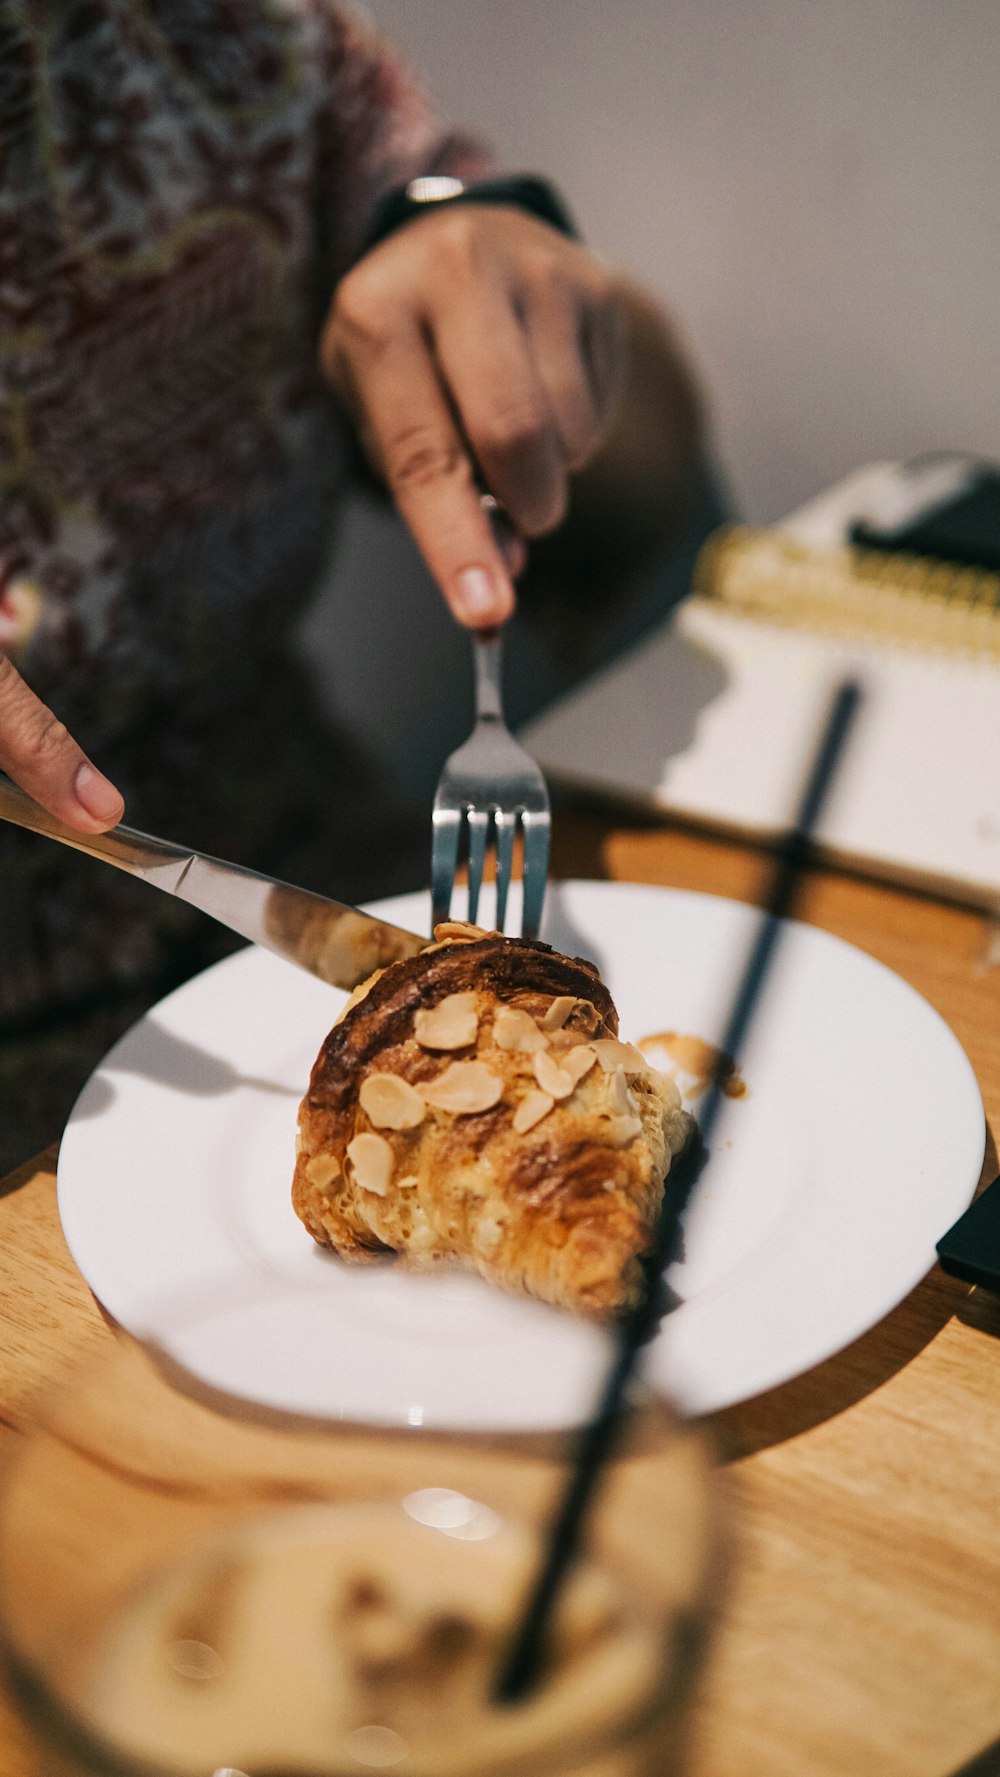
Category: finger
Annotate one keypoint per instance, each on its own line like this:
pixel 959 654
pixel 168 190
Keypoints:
pixel 605 342
pixel 511 546
pixel 426 464
pixel 556 326
pixel 513 549
pixel 39 754
pixel 486 364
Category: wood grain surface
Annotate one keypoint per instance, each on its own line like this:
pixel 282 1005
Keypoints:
pixel 861 1634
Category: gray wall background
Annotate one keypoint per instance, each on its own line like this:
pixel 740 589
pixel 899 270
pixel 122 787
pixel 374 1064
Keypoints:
pixel 811 186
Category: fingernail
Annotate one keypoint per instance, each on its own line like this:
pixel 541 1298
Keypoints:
pixel 479 598
pixel 94 793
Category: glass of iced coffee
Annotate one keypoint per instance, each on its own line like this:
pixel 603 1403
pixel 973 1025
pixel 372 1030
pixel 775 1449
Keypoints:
pixel 192 1586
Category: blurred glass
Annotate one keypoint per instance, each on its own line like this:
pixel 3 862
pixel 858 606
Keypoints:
pixel 194 1587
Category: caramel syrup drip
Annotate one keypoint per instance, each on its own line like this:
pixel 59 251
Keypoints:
pixel 702 1061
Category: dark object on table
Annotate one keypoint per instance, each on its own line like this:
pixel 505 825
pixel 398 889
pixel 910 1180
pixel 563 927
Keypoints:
pixel 971 1249
pixel 963 527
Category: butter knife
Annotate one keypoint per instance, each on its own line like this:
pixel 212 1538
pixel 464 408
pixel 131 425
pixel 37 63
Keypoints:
pixel 338 943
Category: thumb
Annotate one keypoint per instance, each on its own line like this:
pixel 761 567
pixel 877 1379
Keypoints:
pixel 39 754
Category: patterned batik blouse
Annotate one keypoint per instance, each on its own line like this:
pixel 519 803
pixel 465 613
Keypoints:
pixel 181 183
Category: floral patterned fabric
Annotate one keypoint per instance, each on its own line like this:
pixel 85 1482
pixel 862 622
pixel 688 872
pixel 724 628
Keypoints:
pixel 181 183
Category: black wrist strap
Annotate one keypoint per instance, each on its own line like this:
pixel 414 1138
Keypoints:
pixel 521 191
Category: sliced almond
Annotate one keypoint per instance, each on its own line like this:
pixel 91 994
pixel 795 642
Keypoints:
pixel 390 1102
pixel 557 1081
pixel 611 1054
pixel 451 1024
pixel 619 1097
pixel 371 1162
pixel 578 1061
pixel 409 1183
pixel 514 1028
pixel 322 1169
pixel 533 1107
pixel 464 1088
pixel 559 1011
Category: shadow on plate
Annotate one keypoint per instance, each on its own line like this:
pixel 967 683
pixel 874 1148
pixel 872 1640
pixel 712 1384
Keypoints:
pixel 847 1377
pixel 562 934
pixel 154 1053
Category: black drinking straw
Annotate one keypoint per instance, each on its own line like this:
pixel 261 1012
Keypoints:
pixel 520 1669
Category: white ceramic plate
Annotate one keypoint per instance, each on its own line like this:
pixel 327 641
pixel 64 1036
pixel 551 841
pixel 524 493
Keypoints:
pixel 859 1140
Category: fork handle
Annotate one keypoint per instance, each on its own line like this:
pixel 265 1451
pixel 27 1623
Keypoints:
pixel 487 648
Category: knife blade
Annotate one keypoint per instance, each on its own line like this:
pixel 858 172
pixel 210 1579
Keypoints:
pixel 339 943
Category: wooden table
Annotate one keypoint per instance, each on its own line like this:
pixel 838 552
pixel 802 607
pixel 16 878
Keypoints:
pixel 862 1632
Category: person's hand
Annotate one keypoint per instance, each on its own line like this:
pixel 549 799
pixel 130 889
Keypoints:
pixel 477 348
pixel 39 754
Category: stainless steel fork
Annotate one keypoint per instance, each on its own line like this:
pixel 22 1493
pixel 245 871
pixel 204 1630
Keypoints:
pixel 491 785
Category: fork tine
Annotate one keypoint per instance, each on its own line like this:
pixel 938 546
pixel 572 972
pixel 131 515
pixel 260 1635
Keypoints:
pixel 506 828
pixel 479 821
pixel 491 782
pixel 446 826
pixel 537 834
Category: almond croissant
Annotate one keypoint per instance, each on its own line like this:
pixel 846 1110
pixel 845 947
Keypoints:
pixel 473 1103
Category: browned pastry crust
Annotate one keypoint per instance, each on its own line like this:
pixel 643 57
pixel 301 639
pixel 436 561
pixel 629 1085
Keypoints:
pixel 542 1167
